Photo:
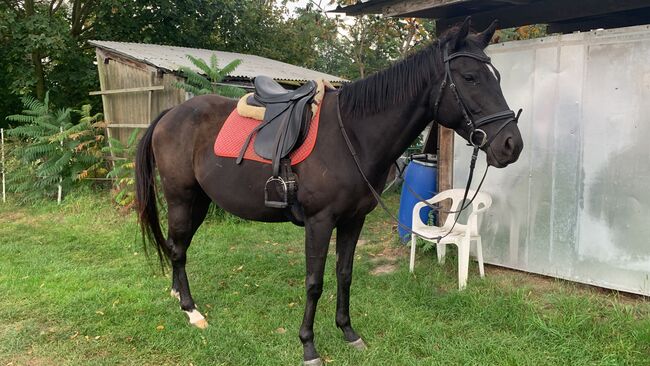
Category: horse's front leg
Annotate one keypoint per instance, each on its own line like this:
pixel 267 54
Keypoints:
pixel 347 234
pixel 318 231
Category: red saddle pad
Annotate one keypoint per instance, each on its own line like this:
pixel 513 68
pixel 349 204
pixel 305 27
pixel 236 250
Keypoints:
pixel 236 129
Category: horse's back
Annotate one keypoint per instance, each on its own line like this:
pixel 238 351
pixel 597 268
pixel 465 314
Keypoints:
pixel 195 118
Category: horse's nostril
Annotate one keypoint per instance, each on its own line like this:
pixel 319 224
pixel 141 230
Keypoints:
pixel 509 145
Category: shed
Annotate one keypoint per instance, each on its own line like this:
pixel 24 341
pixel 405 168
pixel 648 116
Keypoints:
pixel 576 204
pixel 137 79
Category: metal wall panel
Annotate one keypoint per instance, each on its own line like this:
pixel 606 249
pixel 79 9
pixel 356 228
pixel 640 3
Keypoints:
pixel 577 203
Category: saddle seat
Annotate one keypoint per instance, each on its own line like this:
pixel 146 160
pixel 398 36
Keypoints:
pixel 268 90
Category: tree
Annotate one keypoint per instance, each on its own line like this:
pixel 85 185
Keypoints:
pixel 188 23
pixel 42 32
pixel 370 43
pixel 42 49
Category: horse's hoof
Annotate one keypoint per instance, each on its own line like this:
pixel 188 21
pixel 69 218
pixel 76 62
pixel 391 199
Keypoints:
pixel 201 324
pixel 175 294
pixel 314 362
pixel 358 344
pixel 197 319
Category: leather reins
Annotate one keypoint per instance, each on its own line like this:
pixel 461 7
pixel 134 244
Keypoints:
pixel 507 117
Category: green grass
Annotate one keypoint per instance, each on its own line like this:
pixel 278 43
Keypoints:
pixel 76 289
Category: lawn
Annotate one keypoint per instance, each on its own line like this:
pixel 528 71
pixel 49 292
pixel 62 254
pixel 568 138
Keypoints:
pixel 78 290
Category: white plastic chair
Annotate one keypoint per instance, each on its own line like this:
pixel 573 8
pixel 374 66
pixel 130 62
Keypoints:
pixel 462 234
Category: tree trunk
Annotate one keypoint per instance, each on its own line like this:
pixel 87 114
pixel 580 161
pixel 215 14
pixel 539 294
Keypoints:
pixel 37 61
pixel 39 74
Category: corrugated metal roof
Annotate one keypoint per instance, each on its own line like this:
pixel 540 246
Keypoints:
pixel 172 57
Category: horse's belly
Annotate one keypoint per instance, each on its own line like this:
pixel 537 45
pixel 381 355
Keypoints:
pixel 239 189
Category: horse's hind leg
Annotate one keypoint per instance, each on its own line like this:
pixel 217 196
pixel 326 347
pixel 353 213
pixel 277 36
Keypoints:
pixel 185 215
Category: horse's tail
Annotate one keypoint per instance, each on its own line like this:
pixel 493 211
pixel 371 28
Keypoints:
pixel 146 198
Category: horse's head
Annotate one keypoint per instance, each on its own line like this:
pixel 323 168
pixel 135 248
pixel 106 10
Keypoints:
pixel 470 101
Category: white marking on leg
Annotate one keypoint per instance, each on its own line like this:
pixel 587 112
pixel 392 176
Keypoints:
pixel 358 344
pixel 314 362
pixel 197 319
pixel 175 294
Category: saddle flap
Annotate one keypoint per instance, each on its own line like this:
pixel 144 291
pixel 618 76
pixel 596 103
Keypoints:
pixel 288 127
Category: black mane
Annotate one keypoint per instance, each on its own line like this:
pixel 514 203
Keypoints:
pixel 394 85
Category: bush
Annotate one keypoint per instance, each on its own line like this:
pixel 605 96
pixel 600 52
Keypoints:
pixel 50 150
pixel 123 172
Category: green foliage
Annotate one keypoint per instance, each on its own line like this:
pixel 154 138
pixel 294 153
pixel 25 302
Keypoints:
pixel 123 172
pixel 355 49
pixel 43 49
pixel 524 32
pixel 51 150
pixel 189 23
pixel 198 84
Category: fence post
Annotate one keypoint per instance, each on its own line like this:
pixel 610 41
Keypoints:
pixel 2 157
pixel 58 197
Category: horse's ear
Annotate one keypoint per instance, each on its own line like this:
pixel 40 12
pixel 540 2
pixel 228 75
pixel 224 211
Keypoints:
pixel 486 36
pixel 463 31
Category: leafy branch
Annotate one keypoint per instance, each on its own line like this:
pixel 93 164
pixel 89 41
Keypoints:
pixel 211 83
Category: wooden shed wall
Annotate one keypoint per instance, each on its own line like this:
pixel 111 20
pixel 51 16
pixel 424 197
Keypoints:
pixel 134 108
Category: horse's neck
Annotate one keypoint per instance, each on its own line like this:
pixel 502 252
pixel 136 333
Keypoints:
pixel 381 138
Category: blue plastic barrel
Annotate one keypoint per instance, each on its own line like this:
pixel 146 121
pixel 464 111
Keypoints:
pixel 422 178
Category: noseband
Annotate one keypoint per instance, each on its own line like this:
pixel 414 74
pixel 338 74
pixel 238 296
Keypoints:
pixel 475 126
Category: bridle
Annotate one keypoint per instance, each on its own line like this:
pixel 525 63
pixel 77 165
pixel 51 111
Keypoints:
pixel 505 117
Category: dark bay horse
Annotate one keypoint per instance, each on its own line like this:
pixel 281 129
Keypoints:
pixel 448 81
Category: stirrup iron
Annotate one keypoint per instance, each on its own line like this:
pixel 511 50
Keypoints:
pixel 276 193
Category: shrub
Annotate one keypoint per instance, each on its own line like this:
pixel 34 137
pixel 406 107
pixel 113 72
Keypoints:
pixel 51 150
pixel 123 171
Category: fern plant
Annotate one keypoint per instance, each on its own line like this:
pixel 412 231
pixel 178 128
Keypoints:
pixel 123 172
pixel 52 150
pixel 198 84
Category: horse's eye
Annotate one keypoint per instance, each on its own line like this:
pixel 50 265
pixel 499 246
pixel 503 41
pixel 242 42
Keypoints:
pixel 469 78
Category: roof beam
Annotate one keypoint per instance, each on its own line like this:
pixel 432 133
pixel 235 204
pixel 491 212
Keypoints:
pixel 362 8
pixel 617 20
pixel 541 12
pixel 405 7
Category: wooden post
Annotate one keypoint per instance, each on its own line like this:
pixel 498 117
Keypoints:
pixel 58 196
pixel 101 69
pixel 2 157
pixel 445 166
